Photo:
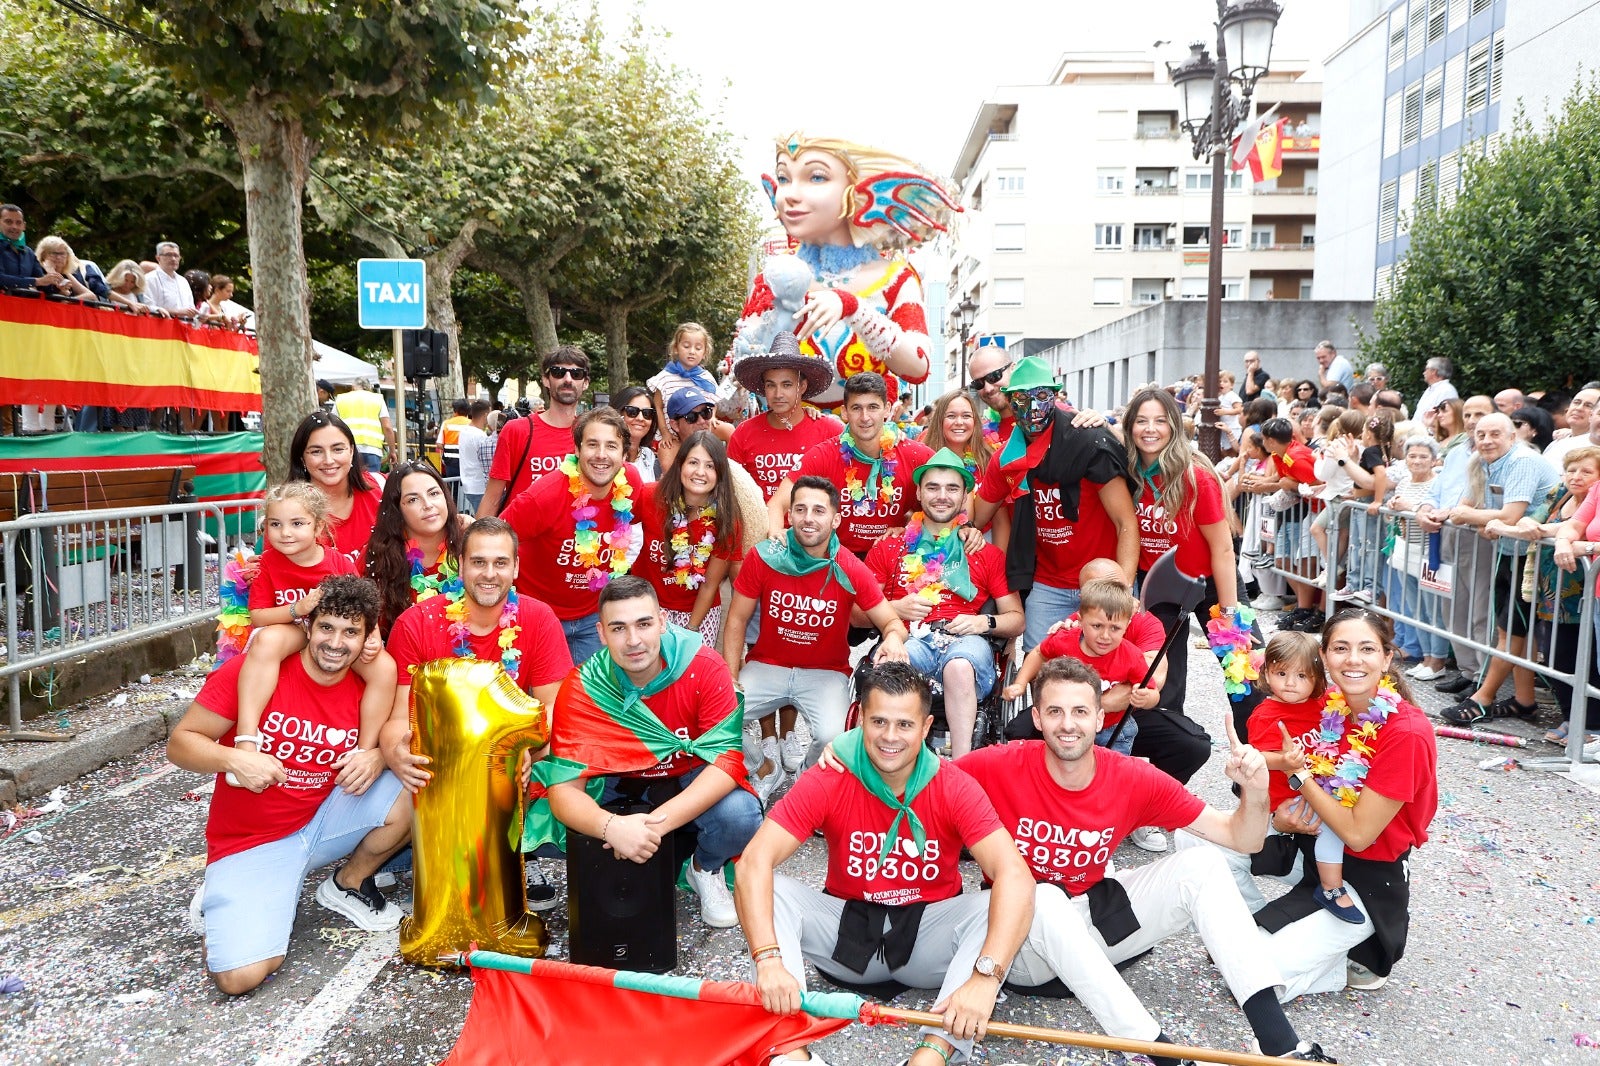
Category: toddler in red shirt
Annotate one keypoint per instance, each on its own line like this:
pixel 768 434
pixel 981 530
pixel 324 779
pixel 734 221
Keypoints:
pixel 1292 718
pixel 1104 611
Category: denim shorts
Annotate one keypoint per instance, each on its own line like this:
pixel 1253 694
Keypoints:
pixel 930 661
pixel 251 896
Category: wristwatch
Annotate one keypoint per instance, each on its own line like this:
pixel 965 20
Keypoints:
pixel 1297 780
pixel 991 622
pixel 1341 462
pixel 987 967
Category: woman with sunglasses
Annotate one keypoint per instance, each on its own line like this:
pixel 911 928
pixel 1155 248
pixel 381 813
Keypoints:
pixel 640 415
pixel 691 535
pixel 323 452
pixel 415 548
pixel 1306 393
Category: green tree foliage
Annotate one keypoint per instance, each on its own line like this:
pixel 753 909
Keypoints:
pixel 1503 280
pixel 284 75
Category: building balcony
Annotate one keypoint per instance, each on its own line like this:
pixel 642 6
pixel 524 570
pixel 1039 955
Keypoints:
pixel 1278 257
pixel 1155 190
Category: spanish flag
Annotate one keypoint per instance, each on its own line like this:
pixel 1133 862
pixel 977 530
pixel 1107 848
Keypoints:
pixel 1266 157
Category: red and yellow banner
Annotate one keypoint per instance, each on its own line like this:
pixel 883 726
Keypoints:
pixel 74 355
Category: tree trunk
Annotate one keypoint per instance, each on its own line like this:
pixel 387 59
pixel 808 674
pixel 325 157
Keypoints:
pixel 441 268
pixel 535 295
pixel 616 323
pixel 276 154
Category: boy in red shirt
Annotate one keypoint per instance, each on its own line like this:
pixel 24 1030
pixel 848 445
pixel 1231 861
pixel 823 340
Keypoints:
pixel 1293 469
pixel 1104 612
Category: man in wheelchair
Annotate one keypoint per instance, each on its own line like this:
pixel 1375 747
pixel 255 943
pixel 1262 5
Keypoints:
pixel 939 590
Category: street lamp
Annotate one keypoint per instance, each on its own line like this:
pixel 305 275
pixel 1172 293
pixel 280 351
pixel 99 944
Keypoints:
pixel 966 311
pixel 1216 100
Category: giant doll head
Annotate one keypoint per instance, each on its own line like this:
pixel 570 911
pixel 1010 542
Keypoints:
pixel 827 191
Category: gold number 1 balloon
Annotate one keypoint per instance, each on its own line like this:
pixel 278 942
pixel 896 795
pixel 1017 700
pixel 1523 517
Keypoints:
pixel 473 722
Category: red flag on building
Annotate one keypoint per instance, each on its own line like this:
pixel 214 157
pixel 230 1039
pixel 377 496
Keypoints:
pixel 1266 158
pixel 557 1012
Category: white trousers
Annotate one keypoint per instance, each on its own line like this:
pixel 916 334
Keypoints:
pixel 1167 896
pixel 1311 953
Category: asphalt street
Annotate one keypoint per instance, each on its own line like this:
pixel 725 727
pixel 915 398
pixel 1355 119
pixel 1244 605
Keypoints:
pixel 1503 964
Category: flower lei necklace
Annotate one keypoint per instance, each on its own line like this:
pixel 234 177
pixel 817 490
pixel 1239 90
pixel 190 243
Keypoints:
pixel 509 630
pixel 425 586
pixel 1342 776
pixel 991 429
pixel 855 490
pixel 587 541
pixel 691 543
pixel 922 566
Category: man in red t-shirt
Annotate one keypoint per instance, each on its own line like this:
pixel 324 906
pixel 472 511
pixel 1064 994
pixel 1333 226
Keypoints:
pixel 804 587
pixel 771 446
pixel 938 589
pixel 988 370
pixel 1293 470
pixel 531 447
pixel 873 479
pixel 654 715
pixel 1069 804
pixel 554 567
pixel 892 908
pixel 308 797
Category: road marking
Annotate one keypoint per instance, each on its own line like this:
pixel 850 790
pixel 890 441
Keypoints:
pixel 302 1036
pixel 19 916
pixel 141 782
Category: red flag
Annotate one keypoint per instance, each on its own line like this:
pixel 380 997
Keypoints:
pixel 1266 158
pixel 574 1014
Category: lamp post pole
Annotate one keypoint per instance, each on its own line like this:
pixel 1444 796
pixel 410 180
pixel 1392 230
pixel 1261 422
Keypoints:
pixel 966 310
pixel 1210 431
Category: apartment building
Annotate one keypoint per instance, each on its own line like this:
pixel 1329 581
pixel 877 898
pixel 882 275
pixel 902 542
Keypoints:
pixel 1084 202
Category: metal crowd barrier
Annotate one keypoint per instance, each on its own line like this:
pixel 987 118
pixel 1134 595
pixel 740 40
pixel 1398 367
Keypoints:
pixel 1445 584
pixel 78 582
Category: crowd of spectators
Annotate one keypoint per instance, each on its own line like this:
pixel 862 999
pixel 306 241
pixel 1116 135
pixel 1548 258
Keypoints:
pixel 151 287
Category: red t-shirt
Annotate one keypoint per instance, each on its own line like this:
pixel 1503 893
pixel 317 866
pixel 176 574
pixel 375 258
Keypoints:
pixel 350 535
pixel 1067 837
pixel 864 522
pixel 1062 547
pixel 1300 464
pixel 422 634
pixel 281 581
pixel 1125 663
pixel 770 455
pixel 1158 531
pixel 1145 631
pixel 954 814
pixel 1405 767
pixel 549 569
pixel 987 568
pixel 691 706
pixel 546 448
pixel 1304 720
pixel 307 726
pixel 655 557
pixel 805 621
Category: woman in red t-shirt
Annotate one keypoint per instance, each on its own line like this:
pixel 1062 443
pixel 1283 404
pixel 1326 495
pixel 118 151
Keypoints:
pixel 691 535
pixel 1180 504
pixel 415 547
pixel 323 452
pixel 1380 804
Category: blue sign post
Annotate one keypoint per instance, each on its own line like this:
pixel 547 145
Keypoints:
pixel 392 294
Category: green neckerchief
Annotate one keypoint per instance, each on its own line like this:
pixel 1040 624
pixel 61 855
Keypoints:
pixel 847 444
pixel 1147 476
pixel 791 559
pixel 19 243
pixel 851 749
pixel 953 570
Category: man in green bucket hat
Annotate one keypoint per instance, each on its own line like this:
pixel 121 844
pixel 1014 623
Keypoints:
pixel 938 589
pixel 1069 499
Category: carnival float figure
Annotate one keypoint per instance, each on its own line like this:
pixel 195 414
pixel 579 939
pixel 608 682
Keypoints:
pixel 848 291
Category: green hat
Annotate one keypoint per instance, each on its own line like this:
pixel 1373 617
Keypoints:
pixel 944 459
pixel 1032 373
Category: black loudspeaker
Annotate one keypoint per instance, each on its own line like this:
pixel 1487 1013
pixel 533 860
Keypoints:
pixel 621 914
pixel 425 353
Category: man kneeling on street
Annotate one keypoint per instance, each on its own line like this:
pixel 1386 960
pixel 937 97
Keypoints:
pixel 307 796
pixel 1069 804
pixel 892 908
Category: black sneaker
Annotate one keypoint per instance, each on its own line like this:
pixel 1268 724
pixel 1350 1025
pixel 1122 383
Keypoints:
pixel 541 893
pixel 1455 684
pixel 364 906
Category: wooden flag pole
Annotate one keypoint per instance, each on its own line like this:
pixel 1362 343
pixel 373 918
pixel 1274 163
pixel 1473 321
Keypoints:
pixel 1094 1040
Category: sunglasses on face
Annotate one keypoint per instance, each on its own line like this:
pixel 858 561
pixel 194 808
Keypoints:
pixel 572 372
pixel 638 412
pixel 991 378
pixel 700 414
pixel 1303 388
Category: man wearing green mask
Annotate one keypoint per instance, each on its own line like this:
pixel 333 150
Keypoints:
pixel 938 588
pixel 892 909
pixel 804 585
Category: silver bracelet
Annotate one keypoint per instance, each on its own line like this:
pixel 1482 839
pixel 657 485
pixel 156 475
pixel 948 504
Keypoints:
pixel 606 828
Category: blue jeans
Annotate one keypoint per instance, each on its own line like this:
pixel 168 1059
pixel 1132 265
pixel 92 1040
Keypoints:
pixel 930 661
pixel 1425 606
pixel 1124 743
pixel 373 461
pixel 725 827
pixel 583 637
pixel 1045 607
pixel 1363 559
pixel 1406 637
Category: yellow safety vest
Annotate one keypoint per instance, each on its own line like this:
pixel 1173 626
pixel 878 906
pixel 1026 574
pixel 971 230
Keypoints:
pixel 363 412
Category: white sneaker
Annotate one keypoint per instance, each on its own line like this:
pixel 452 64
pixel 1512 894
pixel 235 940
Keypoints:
pixel 1149 838
pixel 1424 673
pixel 197 914
pixel 766 786
pixel 794 752
pixel 716 902
pixel 769 749
pixel 784 1060
pixel 1359 977
pixel 1265 602
pixel 364 906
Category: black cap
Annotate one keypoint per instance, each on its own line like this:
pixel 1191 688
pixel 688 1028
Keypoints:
pixel 325 385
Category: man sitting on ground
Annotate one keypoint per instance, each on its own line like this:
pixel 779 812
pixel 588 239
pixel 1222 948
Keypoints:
pixel 892 908
pixel 307 797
